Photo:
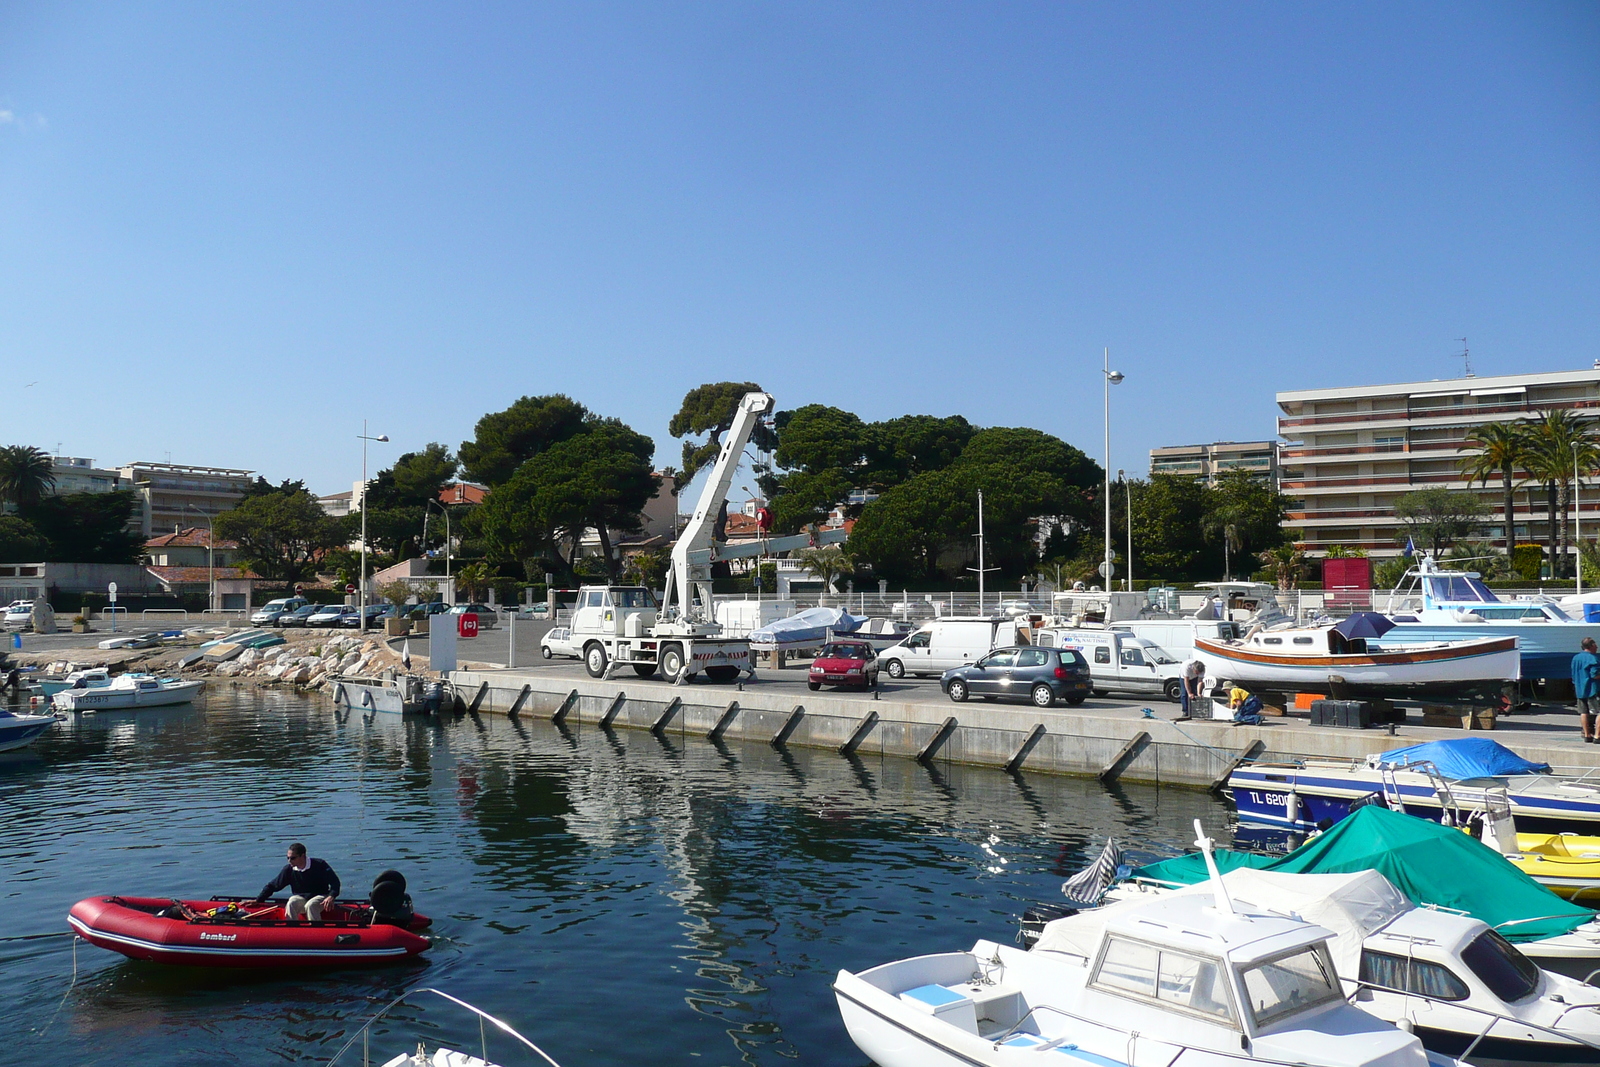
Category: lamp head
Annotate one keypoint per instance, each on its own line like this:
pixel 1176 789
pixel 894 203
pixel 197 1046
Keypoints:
pixel 1114 377
pixel 381 437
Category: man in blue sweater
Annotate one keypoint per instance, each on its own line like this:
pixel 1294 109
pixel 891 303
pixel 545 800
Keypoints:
pixel 1586 686
pixel 312 884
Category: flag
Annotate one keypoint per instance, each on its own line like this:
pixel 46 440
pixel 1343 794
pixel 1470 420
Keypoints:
pixel 1410 549
pixel 1093 880
pixel 405 654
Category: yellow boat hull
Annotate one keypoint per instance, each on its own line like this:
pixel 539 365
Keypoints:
pixel 1566 864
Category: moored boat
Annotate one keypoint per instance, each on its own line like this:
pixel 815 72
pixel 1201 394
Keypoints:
pixel 1450 779
pixel 20 731
pixel 1447 976
pixel 1178 980
pixel 237 932
pixel 128 691
pixel 441 1055
pixel 88 678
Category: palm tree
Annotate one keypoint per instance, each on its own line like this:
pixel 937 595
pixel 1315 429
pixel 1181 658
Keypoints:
pixel 26 475
pixel 1502 448
pixel 1561 447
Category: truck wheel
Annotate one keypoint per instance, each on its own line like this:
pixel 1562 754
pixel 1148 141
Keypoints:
pixel 671 663
pixel 644 670
pixel 958 690
pixel 594 660
pixel 895 668
pixel 722 674
pixel 1043 697
pixel 1173 690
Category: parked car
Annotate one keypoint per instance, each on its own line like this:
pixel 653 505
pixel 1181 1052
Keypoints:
pixel 851 663
pixel 1027 672
pixel 540 610
pixel 270 612
pixel 558 642
pixel 376 613
pixel 299 615
pixel 329 615
pixel 19 615
pixel 422 611
pixel 1120 662
pixel 488 618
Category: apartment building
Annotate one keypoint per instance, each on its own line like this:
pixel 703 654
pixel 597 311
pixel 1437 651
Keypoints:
pixel 171 493
pixel 1348 454
pixel 1212 461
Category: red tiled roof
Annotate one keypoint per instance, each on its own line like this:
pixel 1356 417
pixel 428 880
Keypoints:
pixel 463 493
pixel 199 575
pixel 192 537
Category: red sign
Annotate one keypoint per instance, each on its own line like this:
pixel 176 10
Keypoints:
pixel 350 589
pixel 467 625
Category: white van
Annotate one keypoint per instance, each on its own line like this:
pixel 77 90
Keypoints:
pixel 1120 662
pixel 1177 635
pixel 949 642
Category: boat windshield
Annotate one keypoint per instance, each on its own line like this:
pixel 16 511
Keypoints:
pixel 1507 972
pixel 1290 984
pixel 1459 587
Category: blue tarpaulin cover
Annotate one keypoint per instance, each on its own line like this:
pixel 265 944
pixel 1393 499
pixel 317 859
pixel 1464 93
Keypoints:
pixel 1464 757
pixel 811 624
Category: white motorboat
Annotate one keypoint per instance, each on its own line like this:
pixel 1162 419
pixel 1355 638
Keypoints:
pixel 128 691
pixel 88 678
pixel 1327 659
pixel 1186 978
pixel 20 731
pixel 1461 987
pixel 440 1056
pixel 1441 605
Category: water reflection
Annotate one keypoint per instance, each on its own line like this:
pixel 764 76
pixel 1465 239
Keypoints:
pixel 607 891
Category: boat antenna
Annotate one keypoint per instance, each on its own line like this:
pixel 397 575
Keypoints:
pixel 1205 844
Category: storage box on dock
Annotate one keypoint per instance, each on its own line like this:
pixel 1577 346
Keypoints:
pixel 1341 714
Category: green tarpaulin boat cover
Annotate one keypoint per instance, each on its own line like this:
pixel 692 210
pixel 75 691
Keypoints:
pixel 1429 863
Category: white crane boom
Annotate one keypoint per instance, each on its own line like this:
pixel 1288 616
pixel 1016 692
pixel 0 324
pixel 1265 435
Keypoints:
pixel 690 577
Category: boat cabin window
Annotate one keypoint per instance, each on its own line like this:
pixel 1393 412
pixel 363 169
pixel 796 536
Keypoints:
pixel 1411 976
pixel 1501 966
pixel 1102 654
pixel 1132 657
pixel 1302 641
pixel 1459 587
pixel 1290 984
pixel 1176 979
pixel 1272 640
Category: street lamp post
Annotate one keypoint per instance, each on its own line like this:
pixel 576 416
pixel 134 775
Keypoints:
pixel 1129 487
pixel 446 513
pixel 211 556
pixel 1577 520
pixel 1112 377
pixel 362 585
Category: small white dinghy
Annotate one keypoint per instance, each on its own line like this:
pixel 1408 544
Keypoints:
pixel 1182 979
pixel 128 691
pixel 440 1056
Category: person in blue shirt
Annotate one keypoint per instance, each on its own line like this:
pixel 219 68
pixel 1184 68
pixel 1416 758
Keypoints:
pixel 1586 685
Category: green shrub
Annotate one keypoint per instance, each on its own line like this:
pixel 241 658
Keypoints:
pixel 1527 561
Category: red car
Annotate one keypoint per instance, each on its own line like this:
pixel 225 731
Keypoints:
pixel 844 663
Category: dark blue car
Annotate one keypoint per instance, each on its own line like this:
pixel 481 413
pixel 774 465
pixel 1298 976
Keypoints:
pixel 1025 672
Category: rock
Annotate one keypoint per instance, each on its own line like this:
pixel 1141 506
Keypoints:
pixel 348 663
pixel 248 656
pixel 44 617
pixel 299 675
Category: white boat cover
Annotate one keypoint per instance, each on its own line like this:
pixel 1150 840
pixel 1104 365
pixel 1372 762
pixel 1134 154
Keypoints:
pixel 1351 905
pixel 811 624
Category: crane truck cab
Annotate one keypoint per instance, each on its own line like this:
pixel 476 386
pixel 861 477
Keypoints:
pixel 618 625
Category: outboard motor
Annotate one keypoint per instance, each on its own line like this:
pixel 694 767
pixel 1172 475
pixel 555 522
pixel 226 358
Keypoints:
pixel 391 904
pixel 433 697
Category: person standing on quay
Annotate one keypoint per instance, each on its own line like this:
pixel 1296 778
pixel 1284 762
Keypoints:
pixel 1586 687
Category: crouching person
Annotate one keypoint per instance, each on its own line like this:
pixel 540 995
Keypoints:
pixel 313 885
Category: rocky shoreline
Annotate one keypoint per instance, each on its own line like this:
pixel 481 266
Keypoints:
pixel 308 660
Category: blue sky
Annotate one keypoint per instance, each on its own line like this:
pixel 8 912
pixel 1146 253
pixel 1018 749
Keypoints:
pixel 229 232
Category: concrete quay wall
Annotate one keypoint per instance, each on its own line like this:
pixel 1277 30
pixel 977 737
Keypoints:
pixel 1111 743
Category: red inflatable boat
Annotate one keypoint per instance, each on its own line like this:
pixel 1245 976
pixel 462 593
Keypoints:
pixel 236 932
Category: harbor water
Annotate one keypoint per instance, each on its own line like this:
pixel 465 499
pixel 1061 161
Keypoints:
pixel 617 896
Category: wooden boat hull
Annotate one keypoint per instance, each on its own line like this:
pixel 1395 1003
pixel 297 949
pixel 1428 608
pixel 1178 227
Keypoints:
pixel 1466 672
pixel 134 927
